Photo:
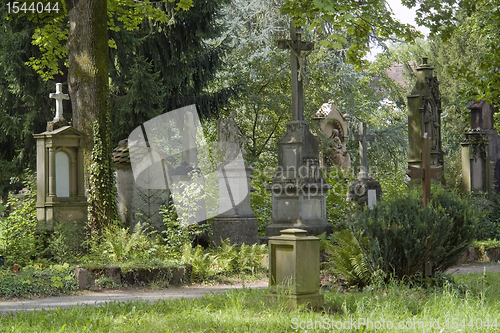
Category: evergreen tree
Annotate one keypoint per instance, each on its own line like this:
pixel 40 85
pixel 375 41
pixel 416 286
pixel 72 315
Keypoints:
pixel 25 106
pixel 167 65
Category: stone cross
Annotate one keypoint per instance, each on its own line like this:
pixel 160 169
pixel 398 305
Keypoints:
pixel 59 96
pixel 296 46
pixel 426 171
pixel 363 139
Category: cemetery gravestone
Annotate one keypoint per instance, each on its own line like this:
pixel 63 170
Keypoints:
pixel 60 183
pixel 135 204
pixel 424 116
pixel 364 190
pixel 481 151
pixel 237 223
pixel 334 125
pixel 298 188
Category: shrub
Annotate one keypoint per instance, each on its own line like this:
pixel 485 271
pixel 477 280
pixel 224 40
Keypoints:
pixel 34 281
pixel 18 228
pixel 399 235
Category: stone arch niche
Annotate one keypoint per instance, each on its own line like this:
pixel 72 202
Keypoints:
pixel 60 184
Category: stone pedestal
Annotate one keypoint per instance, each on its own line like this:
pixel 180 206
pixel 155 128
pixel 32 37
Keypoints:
pixel 298 189
pixel 294 268
pixel 236 220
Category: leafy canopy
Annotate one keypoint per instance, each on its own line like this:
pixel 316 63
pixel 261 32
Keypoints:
pixel 351 24
pixel 52 32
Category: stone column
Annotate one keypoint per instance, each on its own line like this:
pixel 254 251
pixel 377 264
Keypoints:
pixel 79 166
pixel 52 172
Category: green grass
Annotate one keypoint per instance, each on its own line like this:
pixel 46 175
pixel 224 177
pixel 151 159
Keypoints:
pixel 248 311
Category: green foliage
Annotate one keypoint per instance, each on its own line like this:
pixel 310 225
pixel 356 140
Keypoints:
pixel 224 260
pixel 176 235
pixel 347 258
pixel 487 212
pixel 65 243
pixel 52 33
pixel 102 190
pixel 399 236
pixel 337 206
pixel 476 22
pixel 34 281
pixel 349 25
pixel 119 245
pixel 17 236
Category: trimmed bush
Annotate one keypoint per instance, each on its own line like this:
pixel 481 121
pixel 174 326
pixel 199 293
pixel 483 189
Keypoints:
pixel 399 236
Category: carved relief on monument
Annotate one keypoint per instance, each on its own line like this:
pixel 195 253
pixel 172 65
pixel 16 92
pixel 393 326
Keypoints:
pixel 334 126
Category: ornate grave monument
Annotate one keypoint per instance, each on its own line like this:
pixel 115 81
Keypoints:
pixel 481 151
pixel 298 188
pixel 334 125
pixel 364 190
pixel 60 187
pixel 424 116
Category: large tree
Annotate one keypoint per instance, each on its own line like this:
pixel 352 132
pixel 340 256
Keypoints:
pixel 460 19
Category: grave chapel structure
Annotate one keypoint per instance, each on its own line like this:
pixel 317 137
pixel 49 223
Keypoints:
pixel 60 176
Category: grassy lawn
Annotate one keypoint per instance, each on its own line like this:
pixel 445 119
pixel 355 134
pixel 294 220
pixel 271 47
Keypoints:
pixel 247 311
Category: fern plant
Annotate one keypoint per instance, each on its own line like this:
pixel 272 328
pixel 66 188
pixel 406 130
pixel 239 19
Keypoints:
pixel 347 258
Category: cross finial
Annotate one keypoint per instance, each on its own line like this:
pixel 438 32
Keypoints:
pixel 59 96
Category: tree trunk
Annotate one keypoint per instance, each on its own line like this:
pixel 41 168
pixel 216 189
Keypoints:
pixel 88 88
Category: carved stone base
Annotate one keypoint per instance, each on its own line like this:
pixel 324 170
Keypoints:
pixel 239 230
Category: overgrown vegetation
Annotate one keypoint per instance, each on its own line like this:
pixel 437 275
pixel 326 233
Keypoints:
pixel 34 280
pixel 399 237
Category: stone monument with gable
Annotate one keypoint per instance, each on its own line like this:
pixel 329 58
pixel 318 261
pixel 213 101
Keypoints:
pixel 424 116
pixel 298 188
pixel 60 176
pixel 481 151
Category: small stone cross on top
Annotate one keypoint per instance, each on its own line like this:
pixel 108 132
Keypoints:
pixel 59 96
pixel 296 46
pixel 363 139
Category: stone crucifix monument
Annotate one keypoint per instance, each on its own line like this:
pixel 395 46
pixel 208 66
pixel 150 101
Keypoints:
pixel 298 188
pixel 364 190
pixel 60 186
pixel 424 116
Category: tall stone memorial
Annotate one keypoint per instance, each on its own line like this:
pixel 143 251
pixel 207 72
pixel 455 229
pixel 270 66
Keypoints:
pixel 60 185
pixel 235 222
pixel 298 188
pixel 424 116
pixel 481 151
